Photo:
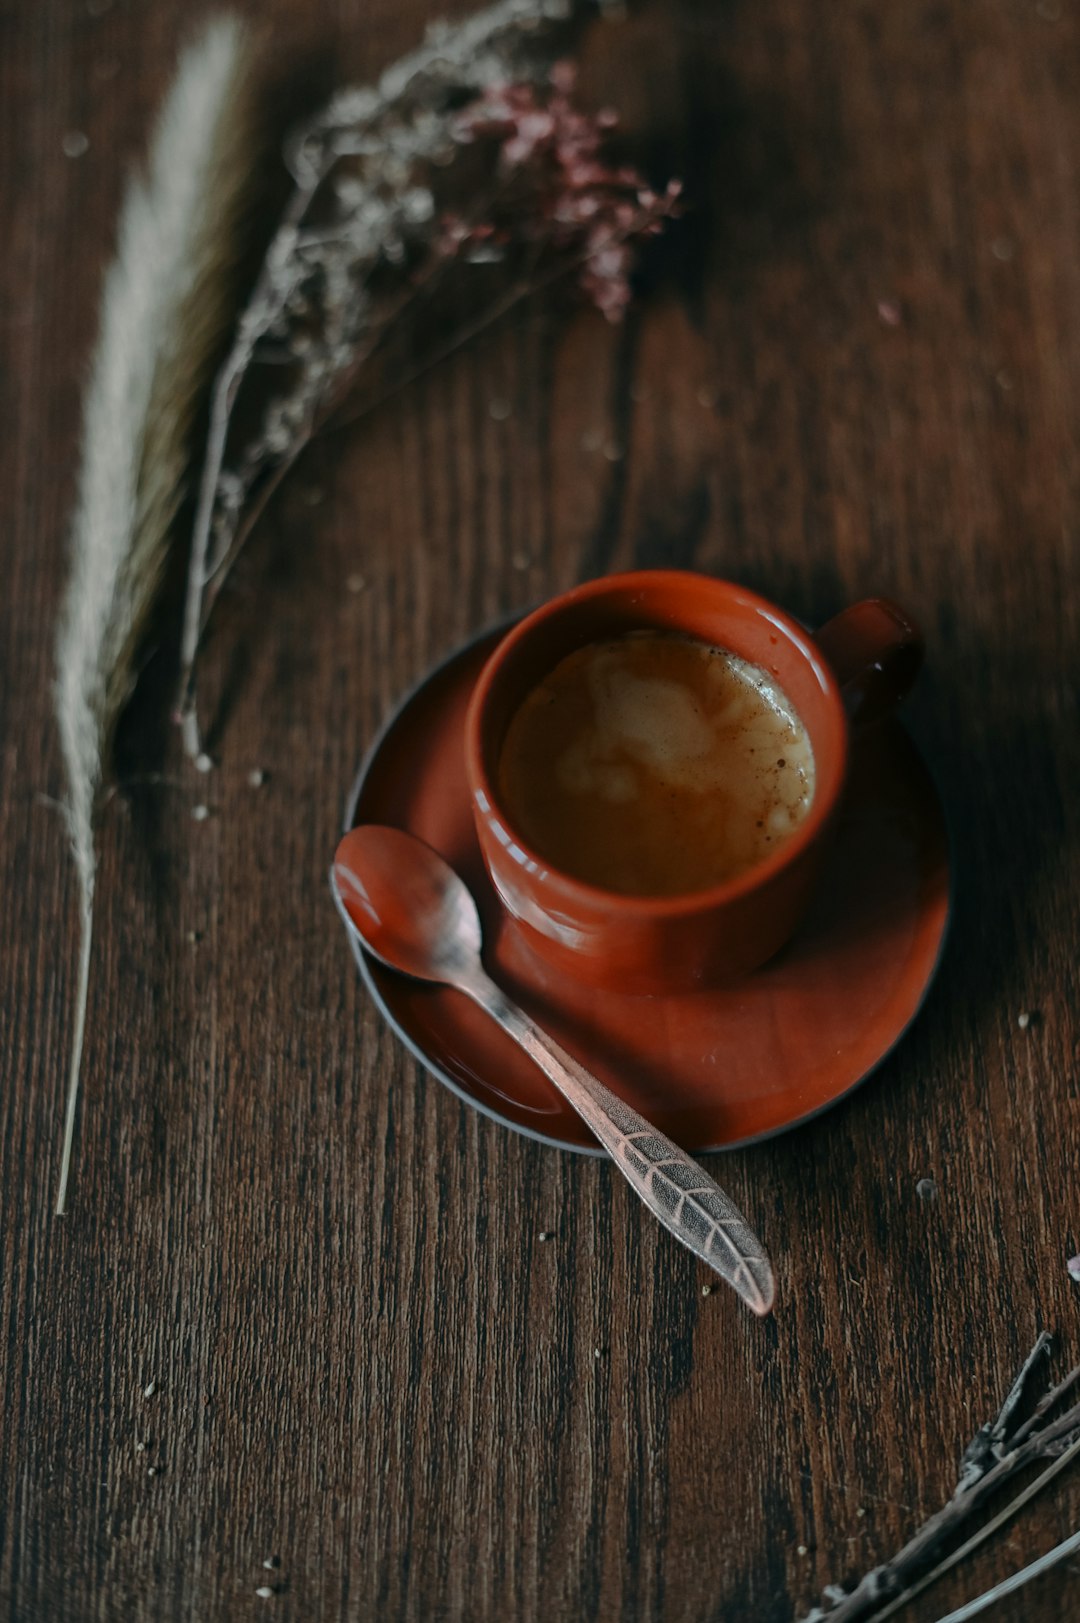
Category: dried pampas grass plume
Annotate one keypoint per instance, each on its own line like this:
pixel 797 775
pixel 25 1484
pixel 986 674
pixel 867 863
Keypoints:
pixel 165 308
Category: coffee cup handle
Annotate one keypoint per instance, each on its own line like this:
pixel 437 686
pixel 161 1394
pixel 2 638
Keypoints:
pixel 875 650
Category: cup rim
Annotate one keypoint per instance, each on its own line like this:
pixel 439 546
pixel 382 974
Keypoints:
pixel 582 891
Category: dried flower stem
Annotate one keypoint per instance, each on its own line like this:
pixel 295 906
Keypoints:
pixel 374 223
pixel 313 293
pixel 226 389
pixel 217 566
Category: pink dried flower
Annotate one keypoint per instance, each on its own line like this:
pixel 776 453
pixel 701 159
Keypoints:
pixel 573 199
pixel 1073 1265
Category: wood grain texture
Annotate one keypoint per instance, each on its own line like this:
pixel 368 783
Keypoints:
pixel 365 1363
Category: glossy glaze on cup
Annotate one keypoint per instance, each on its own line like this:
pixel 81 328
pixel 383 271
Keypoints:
pixel 657 944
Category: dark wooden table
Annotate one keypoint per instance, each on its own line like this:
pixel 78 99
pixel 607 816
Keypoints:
pixel 857 369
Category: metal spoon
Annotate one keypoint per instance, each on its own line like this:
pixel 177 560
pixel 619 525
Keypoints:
pixel 412 912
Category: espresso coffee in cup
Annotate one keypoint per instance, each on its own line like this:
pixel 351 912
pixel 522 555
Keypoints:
pixel 655 764
pixel 670 928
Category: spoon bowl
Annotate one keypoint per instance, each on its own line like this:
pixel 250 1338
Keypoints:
pixel 408 906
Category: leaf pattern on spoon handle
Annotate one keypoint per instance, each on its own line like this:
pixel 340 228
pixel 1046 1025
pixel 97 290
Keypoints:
pixel 676 1190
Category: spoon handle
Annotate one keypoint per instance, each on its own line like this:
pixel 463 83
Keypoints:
pixel 676 1190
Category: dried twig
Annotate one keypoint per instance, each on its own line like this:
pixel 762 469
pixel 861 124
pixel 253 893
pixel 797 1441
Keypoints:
pixel 1033 1489
pixel 1009 1586
pixel 999 1451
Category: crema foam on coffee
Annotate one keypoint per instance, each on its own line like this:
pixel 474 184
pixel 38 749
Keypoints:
pixel 653 764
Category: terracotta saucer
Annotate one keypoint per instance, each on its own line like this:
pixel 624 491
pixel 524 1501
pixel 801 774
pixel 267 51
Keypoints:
pixel 713 1069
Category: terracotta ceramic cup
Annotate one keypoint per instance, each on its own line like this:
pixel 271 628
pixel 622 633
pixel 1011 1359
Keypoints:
pixel 847 674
